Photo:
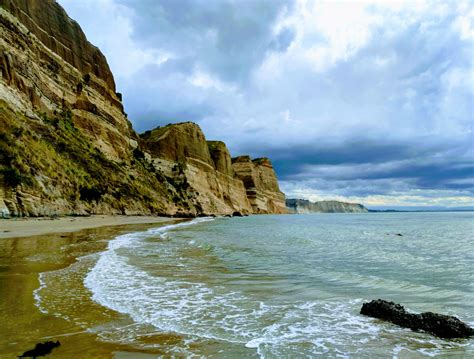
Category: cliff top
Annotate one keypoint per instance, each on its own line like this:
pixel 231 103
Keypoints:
pixel 263 161
pixel 244 158
pixel 215 145
pixel 157 132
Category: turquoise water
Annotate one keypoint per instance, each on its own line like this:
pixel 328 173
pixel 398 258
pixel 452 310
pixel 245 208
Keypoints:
pixel 289 285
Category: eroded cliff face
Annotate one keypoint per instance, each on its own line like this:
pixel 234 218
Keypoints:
pixel 48 67
pixel 67 147
pixel 261 184
pixel 63 36
pixel 181 151
pixel 305 206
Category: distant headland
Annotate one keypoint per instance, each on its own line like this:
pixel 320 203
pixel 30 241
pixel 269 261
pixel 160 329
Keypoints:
pixel 305 206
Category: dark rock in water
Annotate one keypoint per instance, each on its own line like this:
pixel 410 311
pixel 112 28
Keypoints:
pixel 237 214
pixel 443 326
pixel 399 234
pixel 40 350
pixel 227 215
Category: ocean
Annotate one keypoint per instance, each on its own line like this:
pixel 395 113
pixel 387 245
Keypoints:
pixel 272 286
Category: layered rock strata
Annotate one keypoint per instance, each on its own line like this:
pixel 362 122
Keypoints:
pixel 261 184
pixel 48 67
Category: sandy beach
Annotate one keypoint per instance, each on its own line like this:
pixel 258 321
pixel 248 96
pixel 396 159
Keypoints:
pixel 25 227
pixel 61 246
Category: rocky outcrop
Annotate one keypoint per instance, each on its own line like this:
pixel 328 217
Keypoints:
pixel 215 183
pixel 178 143
pixel 260 183
pixel 66 145
pixel 443 326
pixel 181 153
pixel 305 206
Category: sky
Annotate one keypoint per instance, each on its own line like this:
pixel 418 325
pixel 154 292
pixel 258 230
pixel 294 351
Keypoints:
pixel 361 101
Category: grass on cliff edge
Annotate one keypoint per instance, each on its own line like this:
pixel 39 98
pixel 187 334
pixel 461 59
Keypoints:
pixel 54 159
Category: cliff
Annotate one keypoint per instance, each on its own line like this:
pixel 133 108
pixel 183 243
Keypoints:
pixel 202 168
pixel 305 206
pixel 66 145
pixel 260 183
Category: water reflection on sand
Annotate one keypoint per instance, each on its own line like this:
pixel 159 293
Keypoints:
pixel 23 324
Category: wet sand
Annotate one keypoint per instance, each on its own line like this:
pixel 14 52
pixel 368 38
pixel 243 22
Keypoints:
pixel 22 259
pixel 24 227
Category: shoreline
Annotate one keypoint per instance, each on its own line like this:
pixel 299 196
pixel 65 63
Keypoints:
pixel 27 227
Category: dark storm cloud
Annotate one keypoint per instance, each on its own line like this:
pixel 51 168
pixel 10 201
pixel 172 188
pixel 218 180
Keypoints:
pixel 380 167
pixel 228 38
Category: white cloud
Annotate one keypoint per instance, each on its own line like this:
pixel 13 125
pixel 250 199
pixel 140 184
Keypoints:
pixel 206 81
pixel 464 21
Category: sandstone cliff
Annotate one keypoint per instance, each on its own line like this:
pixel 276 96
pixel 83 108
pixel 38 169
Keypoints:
pixel 67 147
pixel 305 206
pixel 181 152
pixel 260 183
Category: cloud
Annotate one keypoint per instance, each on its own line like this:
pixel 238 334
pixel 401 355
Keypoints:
pixel 226 38
pixel 369 97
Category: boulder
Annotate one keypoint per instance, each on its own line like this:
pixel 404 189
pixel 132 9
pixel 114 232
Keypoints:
pixel 443 326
